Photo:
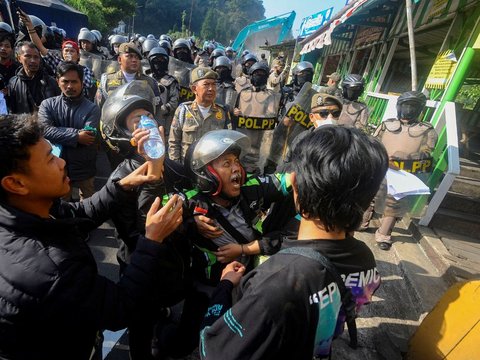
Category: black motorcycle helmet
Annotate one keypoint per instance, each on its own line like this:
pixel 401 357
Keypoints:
pixel 158 60
pixel 410 105
pixel 259 74
pixel 247 61
pixel 353 86
pixel 302 73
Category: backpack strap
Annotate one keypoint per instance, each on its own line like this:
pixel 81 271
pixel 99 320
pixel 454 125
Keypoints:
pixel 348 303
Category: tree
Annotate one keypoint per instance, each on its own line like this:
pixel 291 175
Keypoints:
pixel 209 25
pixel 104 14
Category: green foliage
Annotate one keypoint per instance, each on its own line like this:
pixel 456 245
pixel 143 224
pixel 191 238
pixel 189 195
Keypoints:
pixel 104 14
pixel 469 96
pixel 212 19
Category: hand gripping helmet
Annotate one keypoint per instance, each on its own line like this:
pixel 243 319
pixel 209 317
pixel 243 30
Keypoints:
pixel 209 147
pixel 353 86
pixel 136 94
pixel 410 105
pixel 38 25
pixel 222 61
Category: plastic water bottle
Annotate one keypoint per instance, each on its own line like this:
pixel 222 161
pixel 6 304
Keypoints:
pixel 154 146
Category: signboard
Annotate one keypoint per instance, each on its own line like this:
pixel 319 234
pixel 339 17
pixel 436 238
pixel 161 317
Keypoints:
pixel 437 8
pixel 313 22
pixel 442 70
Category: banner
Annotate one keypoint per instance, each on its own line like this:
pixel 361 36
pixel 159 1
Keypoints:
pixel 442 70
pixel 313 22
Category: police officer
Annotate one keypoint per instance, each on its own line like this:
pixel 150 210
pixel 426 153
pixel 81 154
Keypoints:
pixel 256 114
pixel 166 45
pixel 277 78
pixel 243 80
pixel 87 41
pixel 159 59
pixel 354 112
pixel 215 54
pixel 229 53
pixel 182 51
pixel 294 109
pixel 194 118
pixel 148 45
pixel 129 59
pixel 226 94
pixel 202 57
pixel 409 145
pixel 115 42
pixel 332 85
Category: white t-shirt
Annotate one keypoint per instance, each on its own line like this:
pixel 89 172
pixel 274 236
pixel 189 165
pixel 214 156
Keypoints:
pixel 204 110
pixel 129 77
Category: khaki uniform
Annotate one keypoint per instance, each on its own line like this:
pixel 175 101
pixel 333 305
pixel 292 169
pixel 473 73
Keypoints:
pixel 354 114
pixel 242 82
pixel 111 81
pixel 276 81
pixel 259 117
pixel 188 125
pixel 410 147
pixel 331 90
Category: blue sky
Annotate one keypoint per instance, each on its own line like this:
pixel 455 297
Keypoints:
pixel 303 8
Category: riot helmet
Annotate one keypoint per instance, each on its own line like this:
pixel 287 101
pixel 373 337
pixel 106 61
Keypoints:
pixel 58 35
pixel 247 61
pixel 215 54
pixel 116 41
pixel 98 36
pixel 353 86
pixel 229 52
pixel 158 60
pixel 151 36
pixel 223 67
pixel 182 51
pixel 410 105
pixel 166 45
pixel 166 38
pixel 86 36
pixel 141 40
pixel 121 102
pixel 38 25
pixel 302 73
pixel 245 52
pixel 208 148
pixel 222 61
pixel 4 27
pixel 148 45
pixel 259 74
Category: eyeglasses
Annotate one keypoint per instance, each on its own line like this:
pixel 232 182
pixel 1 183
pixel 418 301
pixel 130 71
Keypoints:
pixel 324 113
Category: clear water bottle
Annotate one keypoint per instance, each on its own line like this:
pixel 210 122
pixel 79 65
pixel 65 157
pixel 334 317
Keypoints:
pixel 154 146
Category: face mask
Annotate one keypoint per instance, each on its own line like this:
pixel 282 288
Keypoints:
pixel 223 74
pixel 158 66
pixel 303 78
pixel 259 80
pixel 353 93
pixel 183 56
pixel 409 111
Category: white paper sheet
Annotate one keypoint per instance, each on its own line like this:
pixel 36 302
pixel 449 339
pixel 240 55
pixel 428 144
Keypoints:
pixel 401 183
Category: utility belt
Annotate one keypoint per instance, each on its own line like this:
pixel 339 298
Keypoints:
pixel 299 115
pixel 415 166
pixel 255 123
pixel 186 94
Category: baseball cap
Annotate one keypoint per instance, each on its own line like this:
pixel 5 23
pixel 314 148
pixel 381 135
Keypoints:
pixel 129 48
pixel 70 44
pixel 321 99
pixel 334 76
pixel 201 73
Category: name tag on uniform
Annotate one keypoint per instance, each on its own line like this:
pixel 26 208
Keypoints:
pixel 186 94
pixel 299 115
pixel 415 166
pixel 255 123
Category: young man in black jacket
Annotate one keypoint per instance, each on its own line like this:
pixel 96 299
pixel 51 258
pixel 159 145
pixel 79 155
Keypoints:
pixel 31 83
pixel 288 307
pixel 52 300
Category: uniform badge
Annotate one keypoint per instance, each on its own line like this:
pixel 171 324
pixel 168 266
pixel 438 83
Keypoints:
pixel 200 73
pixel 320 101
pixel 114 83
pixel 218 115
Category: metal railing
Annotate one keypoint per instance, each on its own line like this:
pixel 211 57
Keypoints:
pixel 445 154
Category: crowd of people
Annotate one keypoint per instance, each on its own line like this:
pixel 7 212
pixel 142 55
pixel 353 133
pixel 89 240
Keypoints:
pixel 262 188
